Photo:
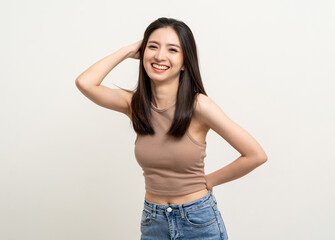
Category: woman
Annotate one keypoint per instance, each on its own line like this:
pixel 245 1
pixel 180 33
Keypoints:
pixel 171 114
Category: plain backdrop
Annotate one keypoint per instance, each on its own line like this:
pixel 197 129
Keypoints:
pixel 68 170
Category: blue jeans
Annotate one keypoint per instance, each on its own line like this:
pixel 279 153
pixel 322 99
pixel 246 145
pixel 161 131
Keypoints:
pixel 196 220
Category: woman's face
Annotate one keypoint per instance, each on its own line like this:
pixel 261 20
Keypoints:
pixel 163 48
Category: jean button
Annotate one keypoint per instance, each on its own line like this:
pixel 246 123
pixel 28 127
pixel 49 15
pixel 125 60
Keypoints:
pixel 169 209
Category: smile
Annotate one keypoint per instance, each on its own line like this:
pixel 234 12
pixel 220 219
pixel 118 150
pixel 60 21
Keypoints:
pixel 160 67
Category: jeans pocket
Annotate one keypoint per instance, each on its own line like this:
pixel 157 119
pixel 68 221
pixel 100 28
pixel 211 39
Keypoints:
pixel 200 217
pixel 146 218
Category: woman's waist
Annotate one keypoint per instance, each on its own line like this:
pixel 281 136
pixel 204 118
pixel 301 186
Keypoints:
pixel 181 199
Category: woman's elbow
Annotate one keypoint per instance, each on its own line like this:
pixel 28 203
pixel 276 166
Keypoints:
pixel 259 159
pixel 262 158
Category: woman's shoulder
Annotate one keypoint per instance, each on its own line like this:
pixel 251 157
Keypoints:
pixel 205 110
pixel 202 101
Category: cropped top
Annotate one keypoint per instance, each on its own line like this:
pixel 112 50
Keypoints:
pixel 170 167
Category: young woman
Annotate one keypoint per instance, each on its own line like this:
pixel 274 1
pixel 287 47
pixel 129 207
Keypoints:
pixel 171 114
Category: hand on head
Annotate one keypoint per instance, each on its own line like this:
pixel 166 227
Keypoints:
pixel 134 50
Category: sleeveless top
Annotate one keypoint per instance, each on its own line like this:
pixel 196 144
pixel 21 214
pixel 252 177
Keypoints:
pixel 170 167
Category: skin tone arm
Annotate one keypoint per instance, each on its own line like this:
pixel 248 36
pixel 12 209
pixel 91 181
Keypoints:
pixel 89 82
pixel 94 75
pixel 252 154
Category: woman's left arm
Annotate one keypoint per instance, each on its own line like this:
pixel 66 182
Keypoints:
pixel 252 154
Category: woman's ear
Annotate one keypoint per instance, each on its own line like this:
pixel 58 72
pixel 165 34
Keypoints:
pixel 183 68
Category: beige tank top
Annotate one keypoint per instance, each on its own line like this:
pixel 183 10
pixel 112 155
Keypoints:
pixel 170 167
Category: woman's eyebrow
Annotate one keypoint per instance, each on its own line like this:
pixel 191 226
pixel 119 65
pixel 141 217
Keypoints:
pixel 169 44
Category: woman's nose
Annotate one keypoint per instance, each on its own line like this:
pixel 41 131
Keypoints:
pixel 160 54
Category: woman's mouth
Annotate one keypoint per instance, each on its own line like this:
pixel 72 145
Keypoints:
pixel 159 68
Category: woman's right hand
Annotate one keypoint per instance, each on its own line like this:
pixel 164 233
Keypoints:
pixel 134 50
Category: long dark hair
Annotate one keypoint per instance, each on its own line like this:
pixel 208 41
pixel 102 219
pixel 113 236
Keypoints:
pixel 190 83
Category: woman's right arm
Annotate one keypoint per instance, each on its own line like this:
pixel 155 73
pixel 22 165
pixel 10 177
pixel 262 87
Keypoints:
pixel 89 82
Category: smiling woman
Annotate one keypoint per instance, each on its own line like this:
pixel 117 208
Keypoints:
pixel 163 55
pixel 171 115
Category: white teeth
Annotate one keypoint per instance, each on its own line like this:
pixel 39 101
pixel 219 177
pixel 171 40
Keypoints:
pixel 159 67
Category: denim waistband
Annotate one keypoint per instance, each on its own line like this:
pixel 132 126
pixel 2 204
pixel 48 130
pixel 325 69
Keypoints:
pixel 208 199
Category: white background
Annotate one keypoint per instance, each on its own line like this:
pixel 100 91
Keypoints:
pixel 68 169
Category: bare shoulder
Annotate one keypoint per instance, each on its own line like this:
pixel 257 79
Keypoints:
pixel 211 113
pixel 202 102
pixel 202 98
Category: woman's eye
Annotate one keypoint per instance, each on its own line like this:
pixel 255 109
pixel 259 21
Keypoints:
pixel 172 49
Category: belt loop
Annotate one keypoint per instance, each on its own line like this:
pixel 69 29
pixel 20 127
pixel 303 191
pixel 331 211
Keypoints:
pixel 154 210
pixel 213 197
pixel 182 214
